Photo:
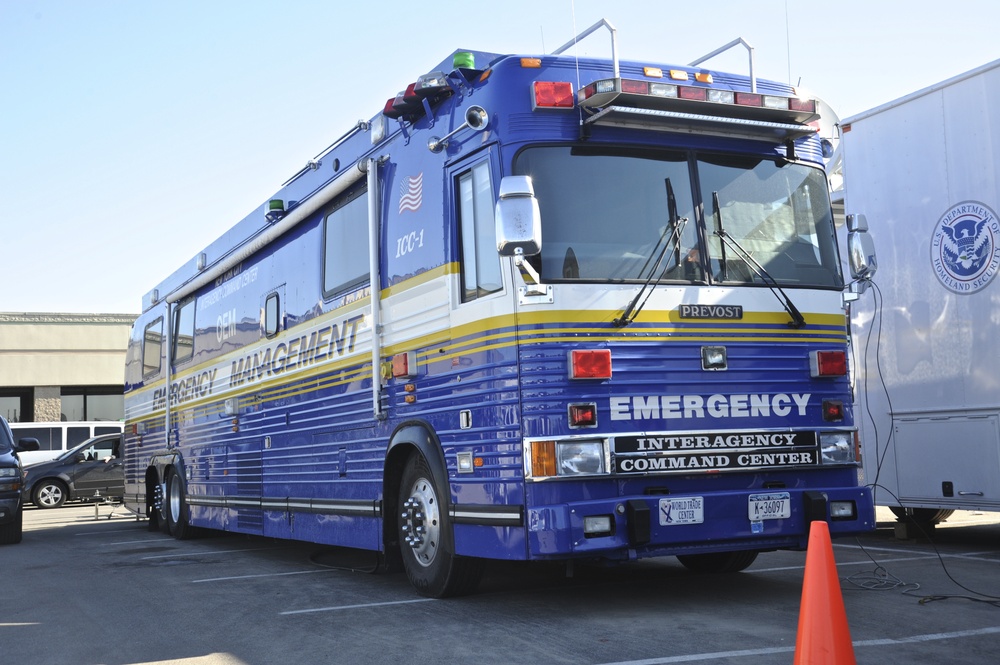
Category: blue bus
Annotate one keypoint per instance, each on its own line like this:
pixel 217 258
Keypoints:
pixel 537 308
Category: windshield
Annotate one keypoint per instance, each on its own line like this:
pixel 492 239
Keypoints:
pixel 6 443
pixel 606 215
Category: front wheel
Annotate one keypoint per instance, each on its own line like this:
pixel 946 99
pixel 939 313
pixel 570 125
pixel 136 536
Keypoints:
pixel 426 539
pixel 50 494
pixel 718 562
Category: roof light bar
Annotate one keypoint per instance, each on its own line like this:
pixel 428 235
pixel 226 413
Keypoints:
pixel 410 102
pixel 687 98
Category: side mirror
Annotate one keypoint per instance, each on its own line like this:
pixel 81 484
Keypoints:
pixel 518 220
pixel 26 445
pixel 860 248
pixel 857 223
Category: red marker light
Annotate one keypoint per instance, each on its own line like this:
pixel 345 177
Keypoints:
pixel 553 94
pixel 582 415
pixel 590 364
pixel 827 363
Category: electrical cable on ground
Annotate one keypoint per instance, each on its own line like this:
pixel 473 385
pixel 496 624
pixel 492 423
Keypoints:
pixel 880 578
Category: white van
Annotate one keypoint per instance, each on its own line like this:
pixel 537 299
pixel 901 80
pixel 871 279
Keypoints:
pixel 55 438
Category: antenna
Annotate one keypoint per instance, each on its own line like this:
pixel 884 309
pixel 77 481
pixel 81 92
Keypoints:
pixel 788 45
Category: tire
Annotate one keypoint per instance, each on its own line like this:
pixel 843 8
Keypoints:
pixel 154 506
pixel 426 540
pixel 930 516
pixel 718 562
pixel 175 508
pixel 10 534
pixel 50 494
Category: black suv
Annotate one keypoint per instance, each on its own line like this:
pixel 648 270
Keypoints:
pixel 11 484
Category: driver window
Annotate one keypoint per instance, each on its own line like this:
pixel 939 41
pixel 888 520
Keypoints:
pixel 477 230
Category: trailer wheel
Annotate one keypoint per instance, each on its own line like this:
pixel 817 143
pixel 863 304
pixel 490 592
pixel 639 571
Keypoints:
pixel 929 516
pixel 718 562
pixel 176 508
pixel 426 538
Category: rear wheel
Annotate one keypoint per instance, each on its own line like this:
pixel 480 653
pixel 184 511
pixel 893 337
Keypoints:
pixel 426 538
pixel 50 494
pixel 930 516
pixel 176 508
pixel 718 562
pixel 10 533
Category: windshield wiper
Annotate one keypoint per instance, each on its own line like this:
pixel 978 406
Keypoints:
pixel 797 319
pixel 675 226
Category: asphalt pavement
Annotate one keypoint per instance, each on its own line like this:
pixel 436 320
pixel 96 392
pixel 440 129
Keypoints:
pixel 92 585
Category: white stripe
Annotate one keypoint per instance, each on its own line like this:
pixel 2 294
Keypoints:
pixel 718 655
pixel 354 607
pixel 182 554
pixel 250 577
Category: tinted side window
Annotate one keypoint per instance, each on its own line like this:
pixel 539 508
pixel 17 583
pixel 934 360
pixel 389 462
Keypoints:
pixel 75 435
pixel 272 315
pixel 183 339
pixel 345 247
pixel 152 345
pixel 480 261
pixel 49 438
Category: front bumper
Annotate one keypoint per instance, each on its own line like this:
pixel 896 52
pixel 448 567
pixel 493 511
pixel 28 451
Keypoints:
pixel 637 529
pixel 9 509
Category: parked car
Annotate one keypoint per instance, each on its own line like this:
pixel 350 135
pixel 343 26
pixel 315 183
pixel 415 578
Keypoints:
pixel 11 485
pixel 90 469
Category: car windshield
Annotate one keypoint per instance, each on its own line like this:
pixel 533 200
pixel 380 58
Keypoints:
pixel 6 443
pixel 607 214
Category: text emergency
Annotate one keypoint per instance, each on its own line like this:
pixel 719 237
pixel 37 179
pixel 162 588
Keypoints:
pixel 668 407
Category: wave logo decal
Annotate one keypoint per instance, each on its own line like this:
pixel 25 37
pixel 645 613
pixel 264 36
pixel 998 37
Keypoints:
pixel 965 247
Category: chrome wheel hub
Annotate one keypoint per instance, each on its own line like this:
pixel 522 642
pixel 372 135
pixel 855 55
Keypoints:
pixel 421 522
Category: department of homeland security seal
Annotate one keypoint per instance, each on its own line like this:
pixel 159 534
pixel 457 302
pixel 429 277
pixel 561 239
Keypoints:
pixel 965 247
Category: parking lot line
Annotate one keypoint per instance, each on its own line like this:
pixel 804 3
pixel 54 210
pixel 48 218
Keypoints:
pixel 355 607
pixel 744 653
pixel 248 577
pixel 176 555
pixel 135 542
pixel 103 532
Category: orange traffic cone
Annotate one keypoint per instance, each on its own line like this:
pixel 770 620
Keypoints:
pixel 823 637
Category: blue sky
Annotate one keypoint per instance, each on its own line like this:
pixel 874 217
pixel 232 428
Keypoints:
pixel 133 133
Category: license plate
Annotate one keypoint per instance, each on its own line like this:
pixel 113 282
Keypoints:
pixel 774 506
pixel 682 510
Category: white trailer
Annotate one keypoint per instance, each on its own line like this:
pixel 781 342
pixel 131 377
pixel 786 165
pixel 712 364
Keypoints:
pixel 923 171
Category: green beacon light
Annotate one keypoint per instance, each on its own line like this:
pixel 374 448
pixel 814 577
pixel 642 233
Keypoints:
pixel 275 210
pixel 464 60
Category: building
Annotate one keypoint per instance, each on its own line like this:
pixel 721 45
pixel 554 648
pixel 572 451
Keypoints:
pixel 62 366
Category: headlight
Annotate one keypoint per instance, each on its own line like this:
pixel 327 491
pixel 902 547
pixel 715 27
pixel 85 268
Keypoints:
pixel 837 447
pixel 10 479
pixel 580 457
pixel 567 458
